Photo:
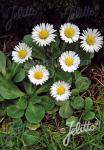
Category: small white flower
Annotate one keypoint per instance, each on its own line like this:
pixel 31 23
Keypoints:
pixel 38 75
pixel 91 40
pixel 69 61
pixel 43 34
pixel 21 53
pixel 69 32
pixel 60 91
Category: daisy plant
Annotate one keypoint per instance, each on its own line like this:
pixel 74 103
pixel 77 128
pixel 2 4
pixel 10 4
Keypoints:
pixel 43 74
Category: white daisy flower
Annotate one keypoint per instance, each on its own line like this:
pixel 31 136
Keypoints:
pixel 91 40
pixel 43 34
pixel 60 90
pixel 38 75
pixel 21 53
pixel 69 32
pixel 69 61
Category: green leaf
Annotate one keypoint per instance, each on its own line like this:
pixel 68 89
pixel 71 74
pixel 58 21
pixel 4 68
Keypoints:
pixel 60 103
pixel 66 111
pixel 77 74
pixel 71 121
pixel 35 99
pixel 12 70
pixel 47 102
pixel 85 57
pixel 28 40
pixel 55 48
pixel 82 84
pixel 53 111
pixel 37 52
pixel 33 127
pixel 88 103
pixel 22 103
pixel 31 138
pixel 28 87
pixel 35 113
pixel 51 72
pixel 64 46
pixel 20 76
pixel 57 137
pixel 8 90
pixel 2 63
pixel 1 138
pixel 43 89
pixel 1 98
pixel 61 75
pixel 2 112
pixel 14 112
pixel 75 92
pixel 89 115
pixel 29 65
pixel 77 102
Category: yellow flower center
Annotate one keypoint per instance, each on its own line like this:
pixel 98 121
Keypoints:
pixel 60 90
pixel 69 61
pixel 22 53
pixel 69 32
pixel 38 75
pixel 43 34
pixel 90 40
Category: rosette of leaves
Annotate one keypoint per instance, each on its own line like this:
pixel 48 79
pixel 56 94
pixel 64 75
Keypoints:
pixel 25 100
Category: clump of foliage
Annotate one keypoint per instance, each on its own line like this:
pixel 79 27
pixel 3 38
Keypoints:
pixel 21 99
